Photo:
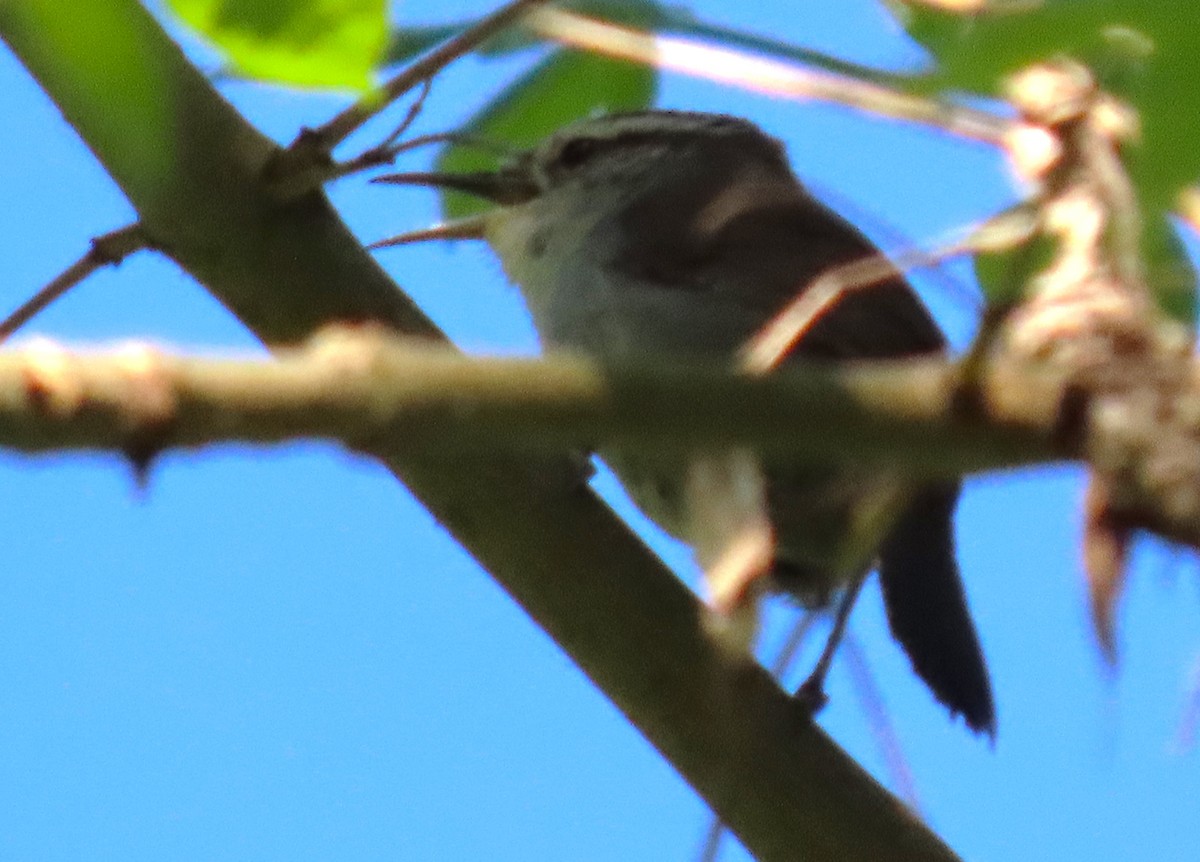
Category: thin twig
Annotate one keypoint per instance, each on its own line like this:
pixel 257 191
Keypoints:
pixel 1185 739
pixel 385 155
pixel 771 344
pixel 111 248
pixel 774 341
pixel 306 164
pixel 410 116
pixel 469 227
pixel 348 121
pixel 385 152
pixel 964 295
pixel 871 698
pixel 760 74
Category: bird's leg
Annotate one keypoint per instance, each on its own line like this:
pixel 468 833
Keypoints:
pixel 811 693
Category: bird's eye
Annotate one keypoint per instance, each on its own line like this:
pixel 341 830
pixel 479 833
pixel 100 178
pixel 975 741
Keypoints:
pixel 577 151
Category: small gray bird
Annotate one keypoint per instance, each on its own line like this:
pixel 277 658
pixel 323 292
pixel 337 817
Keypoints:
pixel 671 234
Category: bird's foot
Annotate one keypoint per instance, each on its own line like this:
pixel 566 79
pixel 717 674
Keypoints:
pixel 810 696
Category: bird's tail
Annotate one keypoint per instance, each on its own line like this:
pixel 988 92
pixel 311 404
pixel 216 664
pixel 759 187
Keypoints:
pixel 927 607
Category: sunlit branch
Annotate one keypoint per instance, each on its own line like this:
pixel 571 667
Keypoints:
pixel 760 74
pixel 382 395
pixel 770 345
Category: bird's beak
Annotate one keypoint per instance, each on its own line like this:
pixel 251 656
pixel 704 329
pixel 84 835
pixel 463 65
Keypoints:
pixel 504 186
pixel 471 227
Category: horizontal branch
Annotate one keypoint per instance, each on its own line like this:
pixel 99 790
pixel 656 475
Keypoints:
pixel 383 395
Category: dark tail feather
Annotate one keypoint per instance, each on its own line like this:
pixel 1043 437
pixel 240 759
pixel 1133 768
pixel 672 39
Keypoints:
pixel 927 608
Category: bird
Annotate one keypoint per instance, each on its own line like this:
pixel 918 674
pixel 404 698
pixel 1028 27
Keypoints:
pixel 677 235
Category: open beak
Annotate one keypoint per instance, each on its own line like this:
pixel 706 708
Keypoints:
pixel 503 187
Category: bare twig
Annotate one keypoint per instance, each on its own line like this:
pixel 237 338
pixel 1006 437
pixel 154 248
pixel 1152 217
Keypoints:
pixel 1185 739
pixel 410 116
pixel 871 700
pixel 346 123
pixel 759 74
pixel 111 248
pixel 468 227
pixel 771 344
pixel 385 154
pixel 774 342
pixel 306 164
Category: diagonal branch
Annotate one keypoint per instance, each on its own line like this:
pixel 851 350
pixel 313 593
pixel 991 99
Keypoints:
pixel 764 75
pixel 107 250
pixel 193 169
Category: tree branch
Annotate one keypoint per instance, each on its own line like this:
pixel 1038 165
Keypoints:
pixel 383 396
pixel 763 75
pixel 193 169
pixel 107 250
pixel 305 165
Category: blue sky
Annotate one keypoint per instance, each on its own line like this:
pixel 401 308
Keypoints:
pixel 278 654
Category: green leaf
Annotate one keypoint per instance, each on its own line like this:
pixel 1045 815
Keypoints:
pixel 1170 272
pixel 1004 274
pixel 1168 103
pixel 1145 51
pixel 567 86
pixel 308 43
pixel 975 52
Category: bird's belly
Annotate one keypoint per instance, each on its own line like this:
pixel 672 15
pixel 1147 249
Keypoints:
pixel 812 512
pixel 610 318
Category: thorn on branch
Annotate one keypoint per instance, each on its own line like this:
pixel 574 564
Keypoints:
pixel 1106 543
pixel 56 384
pixel 152 407
pixel 142 457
